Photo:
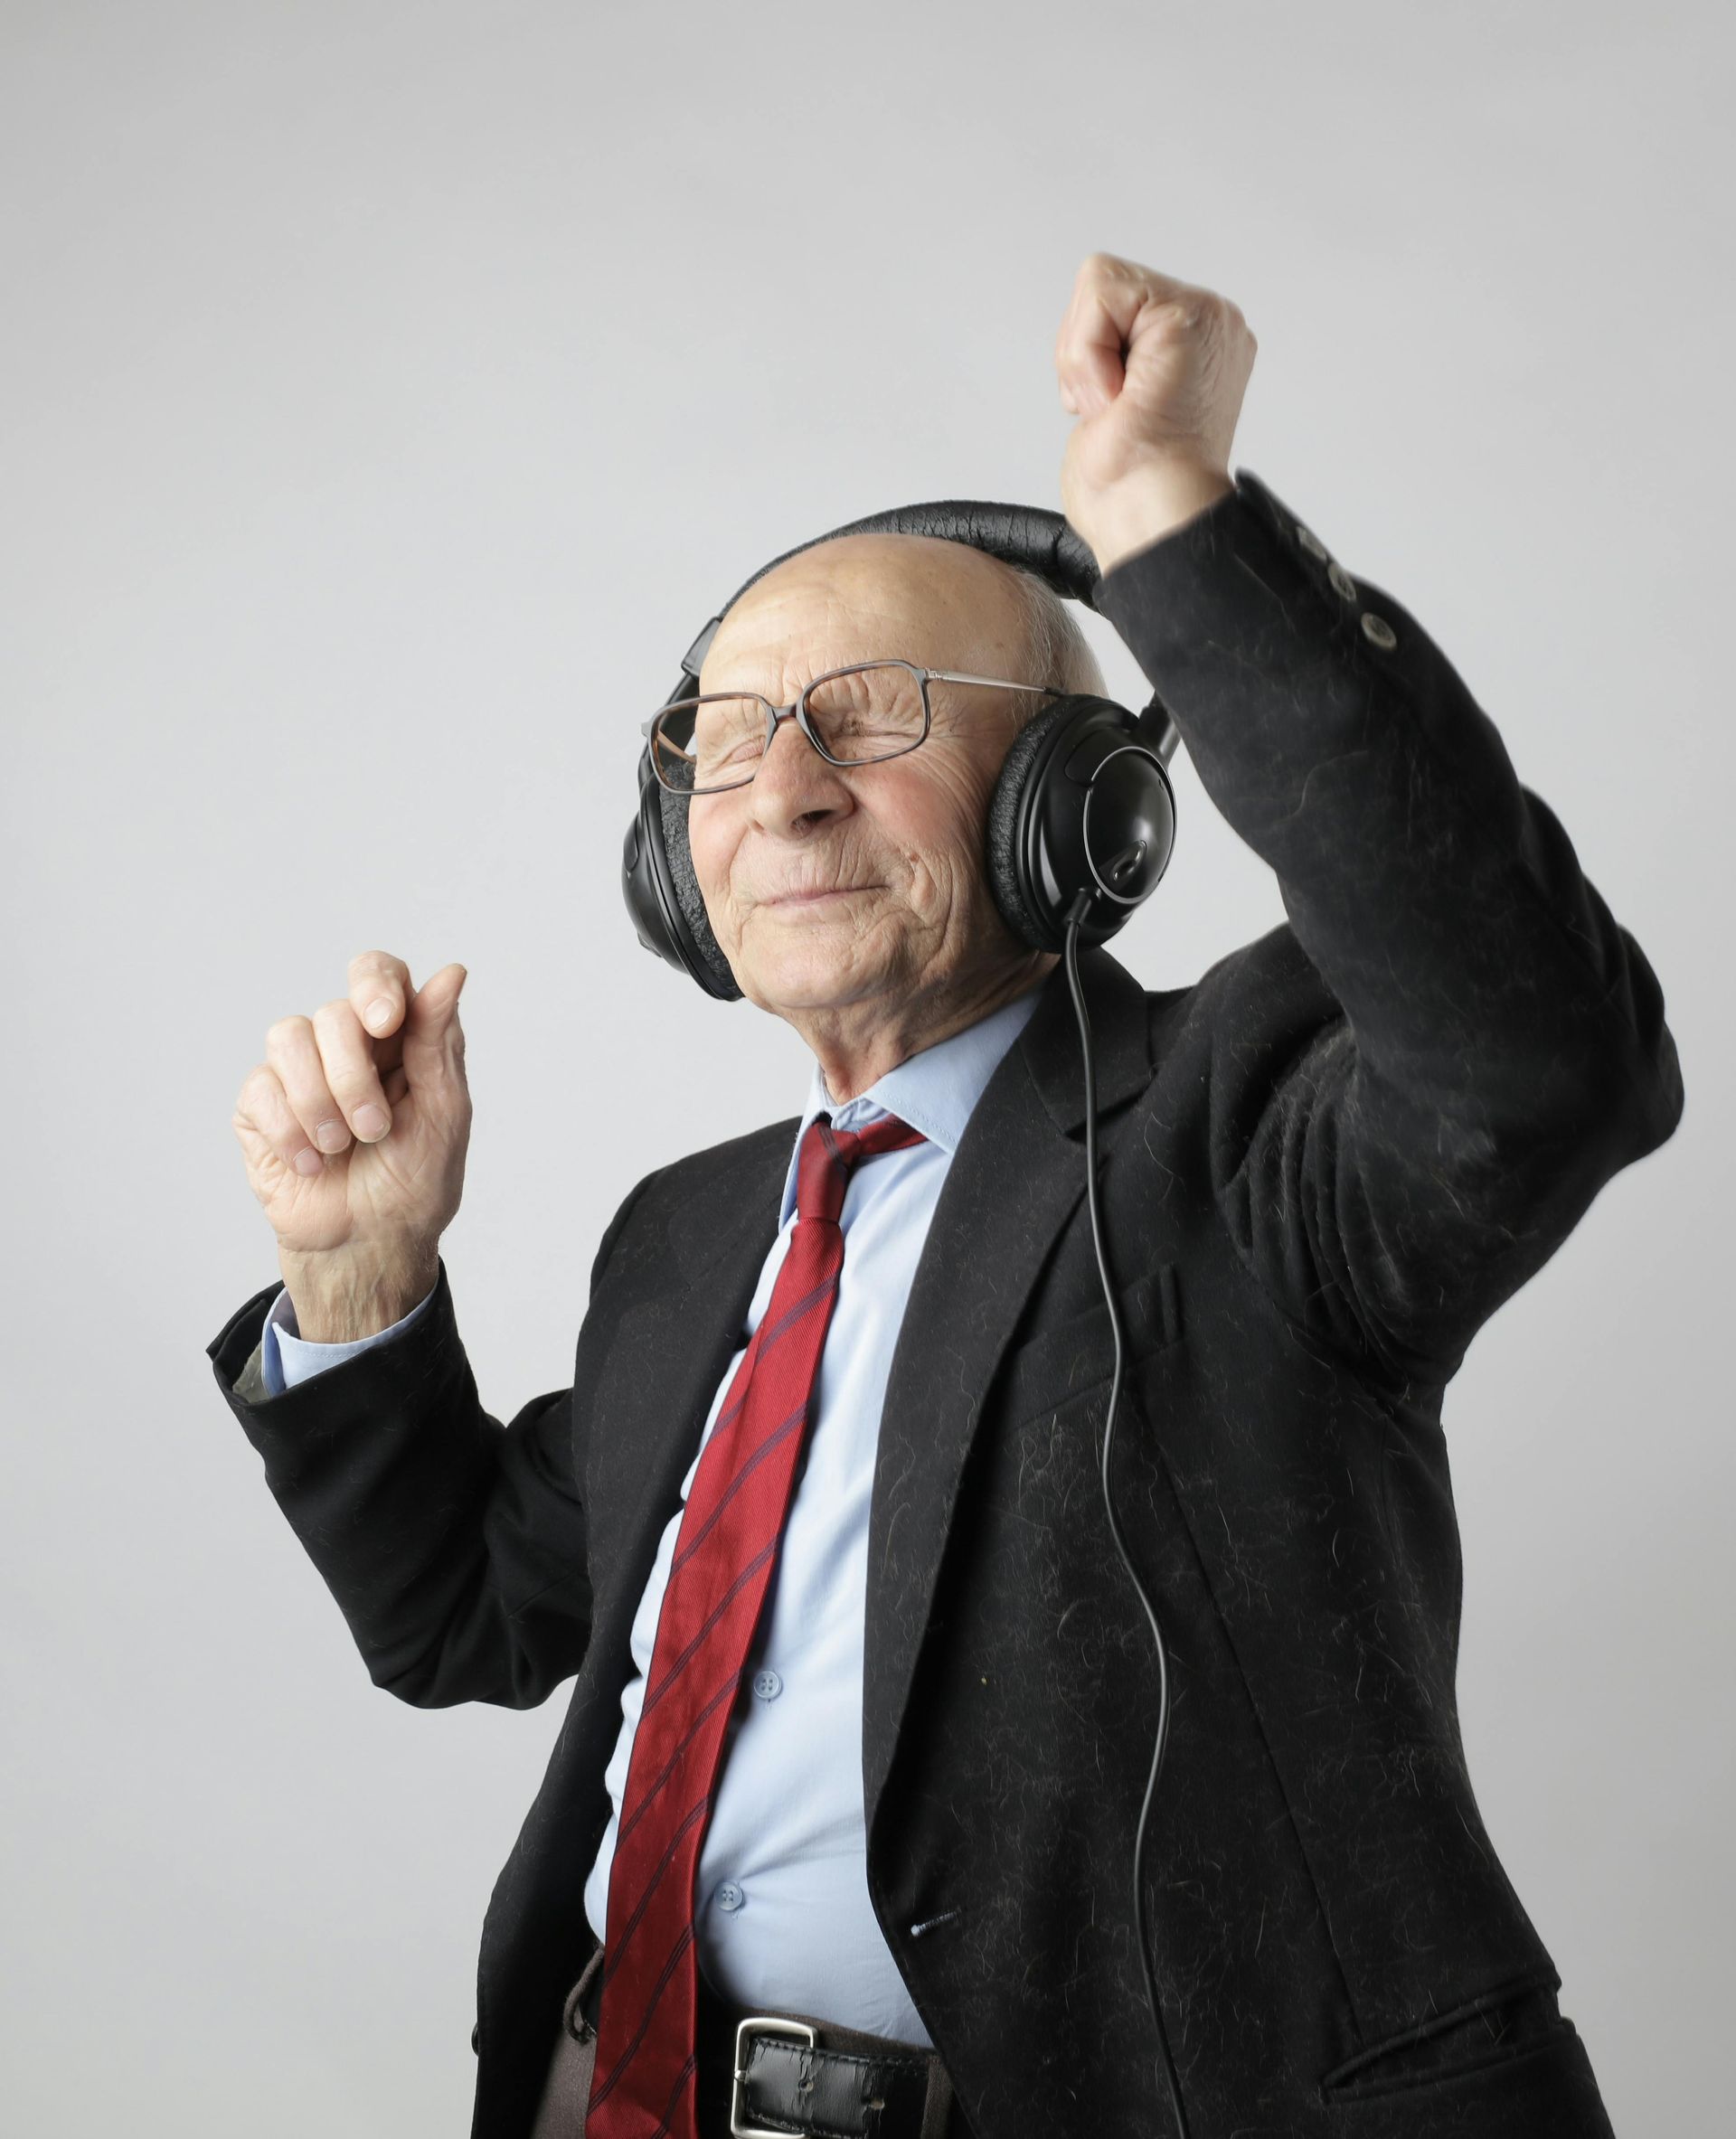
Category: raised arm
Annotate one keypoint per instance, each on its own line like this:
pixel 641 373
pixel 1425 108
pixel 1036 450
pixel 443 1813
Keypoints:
pixel 1500 1050
pixel 1397 1154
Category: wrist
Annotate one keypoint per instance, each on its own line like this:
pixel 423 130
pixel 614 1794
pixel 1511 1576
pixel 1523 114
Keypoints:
pixel 341 1297
pixel 1144 506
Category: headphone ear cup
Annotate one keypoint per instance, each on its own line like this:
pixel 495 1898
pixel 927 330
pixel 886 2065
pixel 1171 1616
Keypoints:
pixel 1082 805
pixel 686 883
pixel 662 892
pixel 1007 816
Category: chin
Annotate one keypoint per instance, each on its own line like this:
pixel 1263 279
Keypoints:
pixel 813 985
pixel 832 967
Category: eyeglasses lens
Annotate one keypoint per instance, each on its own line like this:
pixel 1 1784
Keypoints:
pixel 858 716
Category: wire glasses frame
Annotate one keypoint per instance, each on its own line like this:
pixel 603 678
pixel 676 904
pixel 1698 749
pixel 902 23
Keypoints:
pixel 661 745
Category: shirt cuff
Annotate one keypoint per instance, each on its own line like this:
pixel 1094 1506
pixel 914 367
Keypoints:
pixel 287 1357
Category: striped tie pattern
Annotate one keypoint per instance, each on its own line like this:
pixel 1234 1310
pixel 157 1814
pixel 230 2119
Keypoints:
pixel 642 2082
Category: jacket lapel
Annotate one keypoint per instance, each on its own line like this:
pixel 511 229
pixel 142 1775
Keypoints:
pixel 1015 1179
pixel 665 1354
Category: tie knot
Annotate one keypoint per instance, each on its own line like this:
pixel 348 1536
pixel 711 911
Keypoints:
pixel 828 1156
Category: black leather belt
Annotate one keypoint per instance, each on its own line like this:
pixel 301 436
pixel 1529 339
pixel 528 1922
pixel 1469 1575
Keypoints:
pixel 783 2074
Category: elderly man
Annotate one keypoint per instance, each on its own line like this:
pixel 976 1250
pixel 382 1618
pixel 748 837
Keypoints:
pixel 865 1703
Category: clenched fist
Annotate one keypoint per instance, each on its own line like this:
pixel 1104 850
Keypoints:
pixel 1155 370
pixel 354 1130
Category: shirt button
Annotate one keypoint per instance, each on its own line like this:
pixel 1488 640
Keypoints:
pixel 1343 584
pixel 1378 631
pixel 1311 542
pixel 767 1684
pixel 729 1896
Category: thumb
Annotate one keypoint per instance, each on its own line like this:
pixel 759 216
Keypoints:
pixel 431 1014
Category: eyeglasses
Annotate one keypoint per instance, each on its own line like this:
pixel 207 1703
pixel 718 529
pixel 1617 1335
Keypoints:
pixel 859 715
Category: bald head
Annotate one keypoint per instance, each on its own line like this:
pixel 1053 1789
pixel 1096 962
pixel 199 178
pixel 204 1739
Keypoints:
pixel 955 606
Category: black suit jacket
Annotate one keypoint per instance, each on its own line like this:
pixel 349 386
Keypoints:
pixel 1328 1161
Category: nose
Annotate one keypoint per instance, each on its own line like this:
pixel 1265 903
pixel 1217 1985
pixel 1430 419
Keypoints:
pixel 794 790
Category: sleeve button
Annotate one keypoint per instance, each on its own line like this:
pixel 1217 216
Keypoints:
pixel 1343 584
pixel 1311 542
pixel 1377 630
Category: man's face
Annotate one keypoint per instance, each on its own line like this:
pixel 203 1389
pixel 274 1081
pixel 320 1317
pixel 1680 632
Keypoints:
pixel 825 886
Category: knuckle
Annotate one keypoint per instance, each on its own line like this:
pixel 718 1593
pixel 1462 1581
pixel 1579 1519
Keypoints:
pixel 355 1087
pixel 286 1032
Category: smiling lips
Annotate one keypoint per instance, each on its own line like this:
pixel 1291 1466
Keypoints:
pixel 815 898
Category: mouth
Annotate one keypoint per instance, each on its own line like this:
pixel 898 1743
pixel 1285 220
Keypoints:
pixel 803 900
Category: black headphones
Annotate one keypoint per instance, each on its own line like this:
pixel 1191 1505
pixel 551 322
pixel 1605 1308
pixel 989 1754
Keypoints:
pixel 1082 808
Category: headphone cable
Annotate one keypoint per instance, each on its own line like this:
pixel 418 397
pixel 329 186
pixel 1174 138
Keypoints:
pixel 1075 916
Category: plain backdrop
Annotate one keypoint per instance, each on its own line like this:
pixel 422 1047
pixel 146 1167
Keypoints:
pixel 388 394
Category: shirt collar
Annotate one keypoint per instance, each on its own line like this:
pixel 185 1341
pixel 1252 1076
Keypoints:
pixel 936 1090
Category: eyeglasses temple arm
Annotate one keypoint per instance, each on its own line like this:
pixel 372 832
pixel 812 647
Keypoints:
pixel 1157 729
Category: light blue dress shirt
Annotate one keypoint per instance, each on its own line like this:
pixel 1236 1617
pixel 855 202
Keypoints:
pixel 782 1915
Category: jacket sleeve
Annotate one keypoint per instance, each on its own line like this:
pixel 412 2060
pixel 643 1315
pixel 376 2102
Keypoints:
pixel 287 1357
pixel 1493 1048
pixel 454 1546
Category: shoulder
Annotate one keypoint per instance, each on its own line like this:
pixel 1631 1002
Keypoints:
pixel 716 1180
pixel 1261 995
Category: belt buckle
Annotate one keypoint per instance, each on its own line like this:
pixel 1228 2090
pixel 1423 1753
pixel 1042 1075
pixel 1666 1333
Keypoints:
pixel 763 2023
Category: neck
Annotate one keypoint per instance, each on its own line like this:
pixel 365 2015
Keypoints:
pixel 856 1043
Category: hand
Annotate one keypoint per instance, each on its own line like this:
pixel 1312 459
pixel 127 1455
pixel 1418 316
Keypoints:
pixel 356 1146
pixel 1155 371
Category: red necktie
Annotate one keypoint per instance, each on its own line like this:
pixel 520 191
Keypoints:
pixel 641 2084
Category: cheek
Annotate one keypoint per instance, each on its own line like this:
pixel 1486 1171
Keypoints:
pixel 939 825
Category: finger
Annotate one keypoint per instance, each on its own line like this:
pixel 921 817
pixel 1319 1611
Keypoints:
pixel 263 1115
pixel 379 989
pixel 1088 347
pixel 347 1057
pixel 1097 369
pixel 293 1054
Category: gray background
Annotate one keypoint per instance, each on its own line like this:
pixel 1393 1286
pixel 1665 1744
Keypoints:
pixel 389 393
